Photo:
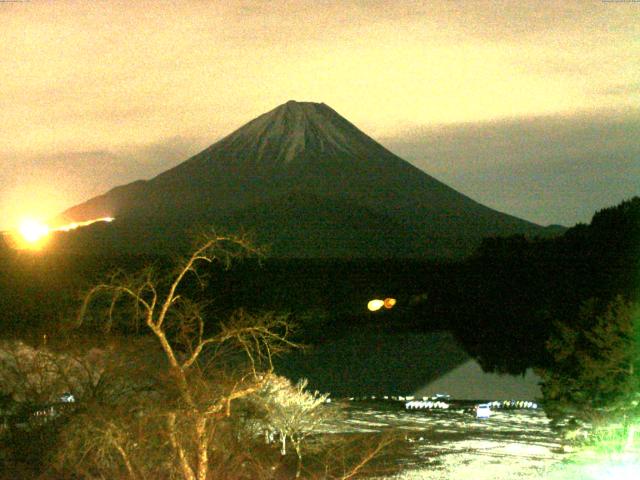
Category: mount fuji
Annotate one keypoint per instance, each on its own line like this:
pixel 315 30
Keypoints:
pixel 307 183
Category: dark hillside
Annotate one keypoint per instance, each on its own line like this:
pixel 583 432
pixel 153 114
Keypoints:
pixel 305 180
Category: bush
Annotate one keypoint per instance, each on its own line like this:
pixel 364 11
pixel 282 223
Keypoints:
pixel 594 382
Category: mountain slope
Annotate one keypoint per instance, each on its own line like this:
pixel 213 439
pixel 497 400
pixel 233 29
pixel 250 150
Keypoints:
pixel 306 153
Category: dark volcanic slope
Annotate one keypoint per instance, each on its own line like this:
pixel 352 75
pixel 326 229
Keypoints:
pixel 308 182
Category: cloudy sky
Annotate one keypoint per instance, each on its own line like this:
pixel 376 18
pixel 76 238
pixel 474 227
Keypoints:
pixel 531 107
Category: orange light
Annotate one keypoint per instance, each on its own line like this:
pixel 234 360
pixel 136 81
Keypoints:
pixel 74 225
pixel 389 303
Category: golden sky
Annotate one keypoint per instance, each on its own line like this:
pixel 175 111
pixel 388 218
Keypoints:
pixel 96 93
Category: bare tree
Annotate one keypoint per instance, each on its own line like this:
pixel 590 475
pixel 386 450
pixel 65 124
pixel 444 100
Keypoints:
pixel 183 401
pixel 195 401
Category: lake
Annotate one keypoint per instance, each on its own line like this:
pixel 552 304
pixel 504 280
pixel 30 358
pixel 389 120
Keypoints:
pixel 454 444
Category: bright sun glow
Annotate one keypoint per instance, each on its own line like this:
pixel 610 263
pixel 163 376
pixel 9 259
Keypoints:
pixel 32 231
pixel 32 234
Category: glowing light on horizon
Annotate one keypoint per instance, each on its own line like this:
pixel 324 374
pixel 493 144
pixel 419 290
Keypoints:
pixel 74 225
pixel 32 234
pixel 32 231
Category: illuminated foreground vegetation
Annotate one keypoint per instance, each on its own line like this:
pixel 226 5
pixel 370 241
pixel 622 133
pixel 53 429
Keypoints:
pixel 160 393
pixel 592 393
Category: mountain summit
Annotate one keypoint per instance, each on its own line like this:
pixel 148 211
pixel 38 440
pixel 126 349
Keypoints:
pixel 293 134
pixel 307 182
